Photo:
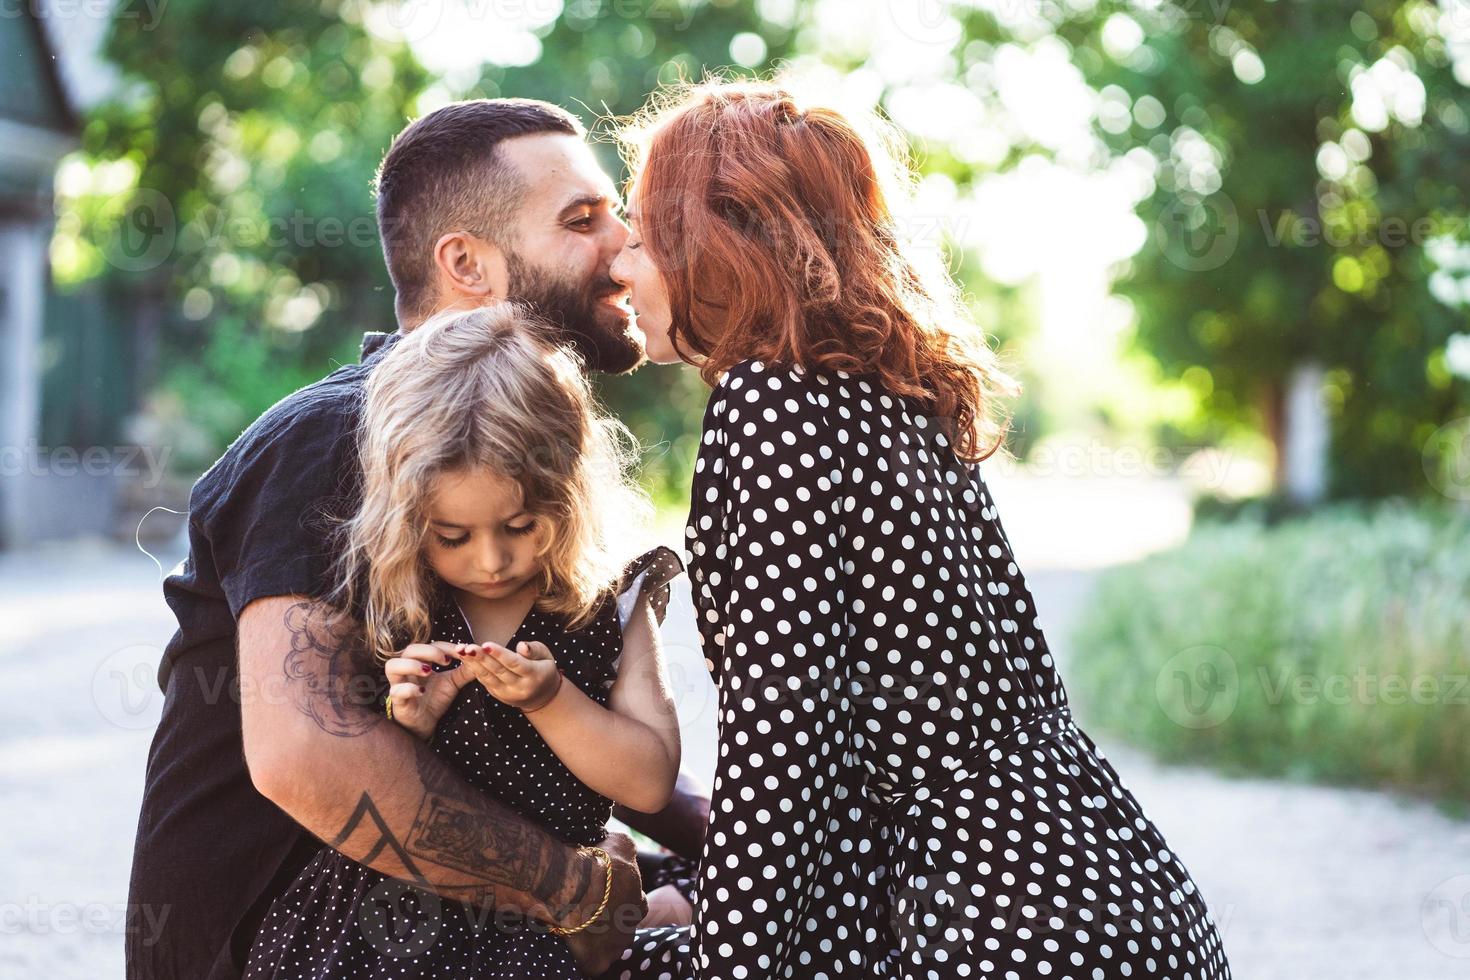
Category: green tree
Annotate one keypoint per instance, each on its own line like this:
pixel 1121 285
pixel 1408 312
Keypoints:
pixel 1309 173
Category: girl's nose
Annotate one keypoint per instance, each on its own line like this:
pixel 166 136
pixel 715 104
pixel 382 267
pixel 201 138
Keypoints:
pixel 494 559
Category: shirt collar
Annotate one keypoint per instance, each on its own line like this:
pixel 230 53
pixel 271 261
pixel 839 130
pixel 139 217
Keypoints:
pixel 376 340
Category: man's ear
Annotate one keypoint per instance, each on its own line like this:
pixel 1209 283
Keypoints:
pixel 470 268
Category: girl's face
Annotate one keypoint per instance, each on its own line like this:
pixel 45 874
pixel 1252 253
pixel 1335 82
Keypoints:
pixel 634 269
pixel 481 538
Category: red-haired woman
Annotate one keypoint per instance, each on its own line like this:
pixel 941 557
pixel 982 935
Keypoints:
pixel 901 790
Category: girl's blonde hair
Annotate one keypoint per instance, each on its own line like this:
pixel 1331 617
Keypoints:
pixel 485 389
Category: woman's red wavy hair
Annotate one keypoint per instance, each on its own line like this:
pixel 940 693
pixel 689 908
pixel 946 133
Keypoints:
pixel 772 228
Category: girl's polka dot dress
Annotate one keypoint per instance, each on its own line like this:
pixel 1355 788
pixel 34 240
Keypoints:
pixel 339 919
pixel 901 790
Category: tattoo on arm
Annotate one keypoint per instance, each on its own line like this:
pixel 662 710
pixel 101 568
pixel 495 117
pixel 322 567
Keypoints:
pixel 458 829
pixel 452 828
pixel 324 672
pixel 482 848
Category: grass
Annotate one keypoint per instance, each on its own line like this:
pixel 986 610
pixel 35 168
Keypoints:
pixel 1333 647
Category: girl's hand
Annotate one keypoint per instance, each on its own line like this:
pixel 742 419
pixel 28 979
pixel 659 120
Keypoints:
pixel 525 678
pixel 418 694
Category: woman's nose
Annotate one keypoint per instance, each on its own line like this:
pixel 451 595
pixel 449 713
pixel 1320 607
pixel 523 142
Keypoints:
pixel 617 271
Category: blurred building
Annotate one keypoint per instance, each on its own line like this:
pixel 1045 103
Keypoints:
pixel 37 127
pixel 66 384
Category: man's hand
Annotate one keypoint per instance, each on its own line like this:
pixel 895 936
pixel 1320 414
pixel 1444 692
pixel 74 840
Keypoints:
pixel 667 906
pixel 601 944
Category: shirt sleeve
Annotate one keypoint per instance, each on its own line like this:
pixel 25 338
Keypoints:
pixel 773 495
pixel 266 507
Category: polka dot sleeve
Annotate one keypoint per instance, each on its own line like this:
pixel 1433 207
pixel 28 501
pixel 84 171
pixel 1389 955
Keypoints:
pixel 772 615
pixel 650 576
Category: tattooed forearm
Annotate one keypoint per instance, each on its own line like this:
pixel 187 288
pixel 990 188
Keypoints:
pixel 384 798
pixel 325 673
pixel 456 836
pixel 463 846
pixel 451 828
pixel 367 811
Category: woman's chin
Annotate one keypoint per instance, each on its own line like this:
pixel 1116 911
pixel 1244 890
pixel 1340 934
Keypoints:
pixel 657 348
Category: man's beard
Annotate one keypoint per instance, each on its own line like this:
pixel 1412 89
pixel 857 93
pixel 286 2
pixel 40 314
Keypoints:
pixel 605 342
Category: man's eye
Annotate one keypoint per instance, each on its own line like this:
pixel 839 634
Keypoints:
pixel 522 529
pixel 583 222
pixel 451 542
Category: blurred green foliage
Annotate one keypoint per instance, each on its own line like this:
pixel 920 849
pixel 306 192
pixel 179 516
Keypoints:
pixel 1310 191
pixel 1328 647
pixel 256 131
pixel 260 128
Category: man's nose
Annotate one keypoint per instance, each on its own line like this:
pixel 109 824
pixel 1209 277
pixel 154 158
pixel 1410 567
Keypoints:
pixel 613 239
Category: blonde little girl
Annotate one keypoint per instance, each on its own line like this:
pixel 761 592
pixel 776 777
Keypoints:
pixel 515 640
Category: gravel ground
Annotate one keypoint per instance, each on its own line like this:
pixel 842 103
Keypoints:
pixel 1305 881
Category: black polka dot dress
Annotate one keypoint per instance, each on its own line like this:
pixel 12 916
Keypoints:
pixel 901 790
pixel 340 919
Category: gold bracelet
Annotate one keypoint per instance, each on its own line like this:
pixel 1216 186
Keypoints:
pixel 606 859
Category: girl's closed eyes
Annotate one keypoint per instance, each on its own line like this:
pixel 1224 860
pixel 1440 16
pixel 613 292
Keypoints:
pixel 515 531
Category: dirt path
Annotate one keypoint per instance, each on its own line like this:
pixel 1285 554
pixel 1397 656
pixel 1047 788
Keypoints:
pixel 1306 882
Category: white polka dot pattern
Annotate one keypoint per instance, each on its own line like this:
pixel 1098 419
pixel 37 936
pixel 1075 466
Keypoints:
pixel 901 791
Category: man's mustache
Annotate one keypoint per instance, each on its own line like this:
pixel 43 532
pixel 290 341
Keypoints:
pixel 609 288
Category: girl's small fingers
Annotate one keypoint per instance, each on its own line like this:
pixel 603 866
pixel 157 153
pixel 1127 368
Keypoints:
pixel 405 695
pixel 480 664
pixel 449 650
pixel 510 661
pixel 437 652
pixel 535 650
pixel 491 666
pixel 405 668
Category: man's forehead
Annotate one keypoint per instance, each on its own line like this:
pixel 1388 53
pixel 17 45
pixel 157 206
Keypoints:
pixel 558 169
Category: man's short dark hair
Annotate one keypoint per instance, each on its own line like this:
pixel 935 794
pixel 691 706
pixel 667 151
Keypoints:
pixel 444 173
